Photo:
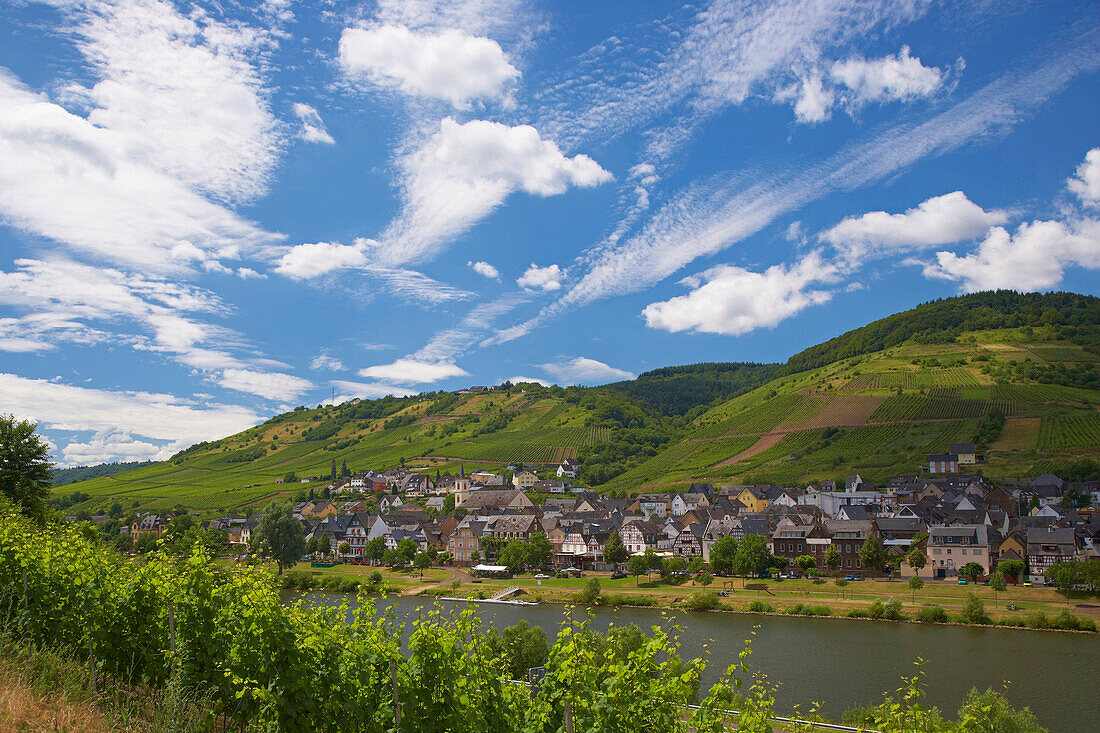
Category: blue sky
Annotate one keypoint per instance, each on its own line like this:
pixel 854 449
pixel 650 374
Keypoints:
pixel 213 212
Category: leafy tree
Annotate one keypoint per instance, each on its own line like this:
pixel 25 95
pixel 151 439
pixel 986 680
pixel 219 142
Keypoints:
pixel 539 550
pixel 653 561
pixel 591 592
pixel 375 549
pixel 1091 572
pixel 115 510
pixel 990 711
pixel 695 565
pixel 872 554
pixel 290 478
pixel 806 563
pixel 145 543
pixel 972 571
pixel 832 558
pixel 752 556
pixel 916 559
pixel 915 584
pixel 722 553
pixel 614 551
pixel 311 545
pixel 1065 575
pixel 637 566
pixel 279 535
pixel 997 583
pixel 974 610
pixel 1012 569
pixel 394 559
pixel 407 548
pixel 422 562
pixel 324 544
pixel 706 579
pixel 124 542
pixel 25 476
pixel 475 557
pixel 520 647
pixel 514 555
pixel 344 549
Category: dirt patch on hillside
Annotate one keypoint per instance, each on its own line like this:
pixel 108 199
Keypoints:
pixel 842 410
pixel 1019 433
pixel 765 442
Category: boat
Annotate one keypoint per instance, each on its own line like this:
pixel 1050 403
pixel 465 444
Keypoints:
pixel 502 602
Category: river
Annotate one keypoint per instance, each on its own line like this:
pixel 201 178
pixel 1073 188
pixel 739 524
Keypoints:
pixel 844 663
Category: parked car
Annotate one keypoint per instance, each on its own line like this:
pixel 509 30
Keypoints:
pixel 852 577
pixel 618 574
pixel 542 576
pixel 962 581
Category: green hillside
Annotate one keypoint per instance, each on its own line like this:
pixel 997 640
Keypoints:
pixel 876 401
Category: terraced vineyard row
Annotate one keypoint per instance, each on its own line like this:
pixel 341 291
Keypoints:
pixel 899 408
pixel 758 419
pixel 946 408
pixel 953 377
pixel 1069 430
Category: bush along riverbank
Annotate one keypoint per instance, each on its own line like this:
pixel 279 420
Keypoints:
pixel 225 637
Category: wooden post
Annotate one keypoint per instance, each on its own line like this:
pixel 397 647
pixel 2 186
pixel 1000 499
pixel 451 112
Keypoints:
pixel 396 698
pixel 91 662
pixel 26 593
pixel 568 717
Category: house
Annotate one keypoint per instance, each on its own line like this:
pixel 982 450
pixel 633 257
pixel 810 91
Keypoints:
pixel 640 535
pixel 515 527
pixel 653 505
pixel 524 479
pixel 390 502
pixel 952 547
pixel 965 452
pixel 483 500
pixel 791 540
pixel 320 510
pixel 568 468
pixel 464 541
pixel 150 524
pixel 848 537
pixel 947 463
pixel 755 498
pixel 1048 545
pixel 689 543
pixel 550 486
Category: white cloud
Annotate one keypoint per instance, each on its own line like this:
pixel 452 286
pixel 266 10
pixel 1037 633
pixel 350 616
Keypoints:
pixel 313 127
pixel 901 78
pixel 247 273
pixel 451 64
pixel 310 260
pixel 69 180
pixel 270 385
pixel 367 391
pixel 416 287
pixel 65 407
pixel 405 371
pixel 939 220
pixel 583 370
pixel 532 380
pixel 1086 184
pixel 1034 258
pixel 328 362
pixel 732 300
pixel 114 447
pixel 814 102
pixel 485 270
pixel 465 171
pixel 544 278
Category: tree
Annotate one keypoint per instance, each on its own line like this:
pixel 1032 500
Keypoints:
pixel 974 610
pixel 806 562
pixel 915 584
pixel 25 476
pixel 832 558
pixel 324 544
pixel 637 566
pixel 752 556
pixel 972 571
pixel 872 555
pixel 344 549
pixel 290 478
pixel 393 559
pixel 539 550
pixel 422 561
pixel 124 543
pixel 311 545
pixel 514 555
pixel 591 592
pixel 115 510
pixel 145 543
pixel 916 560
pixel 722 553
pixel 475 557
pixel 375 549
pixel 279 535
pixel 997 583
pixel 614 551
pixel 706 579
pixel 653 562
pixel 407 548
pixel 1012 569
pixel 1065 575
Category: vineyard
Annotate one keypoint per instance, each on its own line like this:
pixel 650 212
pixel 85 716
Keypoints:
pixel 899 408
pixel 914 379
pixel 947 408
pixel 1072 430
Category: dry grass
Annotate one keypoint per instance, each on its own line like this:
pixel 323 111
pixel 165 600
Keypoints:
pixel 22 709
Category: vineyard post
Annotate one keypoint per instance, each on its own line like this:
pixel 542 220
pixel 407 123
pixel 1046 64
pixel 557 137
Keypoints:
pixel 26 595
pixel 396 699
pixel 568 717
pixel 172 630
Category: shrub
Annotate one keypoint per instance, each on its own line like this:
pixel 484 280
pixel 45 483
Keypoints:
pixel 858 613
pixel 760 607
pixel 932 615
pixel 1066 621
pixel 1037 620
pixel 877 610
pixel 591 592
pixel 796 610
pixel 892 609
pixel 376 578
pixel 974 610
pixel 702 600
pixel 819 611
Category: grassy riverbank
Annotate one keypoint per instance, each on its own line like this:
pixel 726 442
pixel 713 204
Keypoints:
pixel 1017 607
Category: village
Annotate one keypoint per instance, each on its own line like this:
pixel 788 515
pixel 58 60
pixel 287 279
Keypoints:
pixel 957 523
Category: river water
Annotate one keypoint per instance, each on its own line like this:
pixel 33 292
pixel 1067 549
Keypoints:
pixel 843 663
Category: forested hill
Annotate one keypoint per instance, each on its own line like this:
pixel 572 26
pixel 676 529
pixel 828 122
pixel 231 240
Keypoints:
pixel 1019 375
pixel 63 476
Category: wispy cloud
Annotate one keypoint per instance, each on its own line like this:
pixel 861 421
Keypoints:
pixel 583 370
pixel 312 126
